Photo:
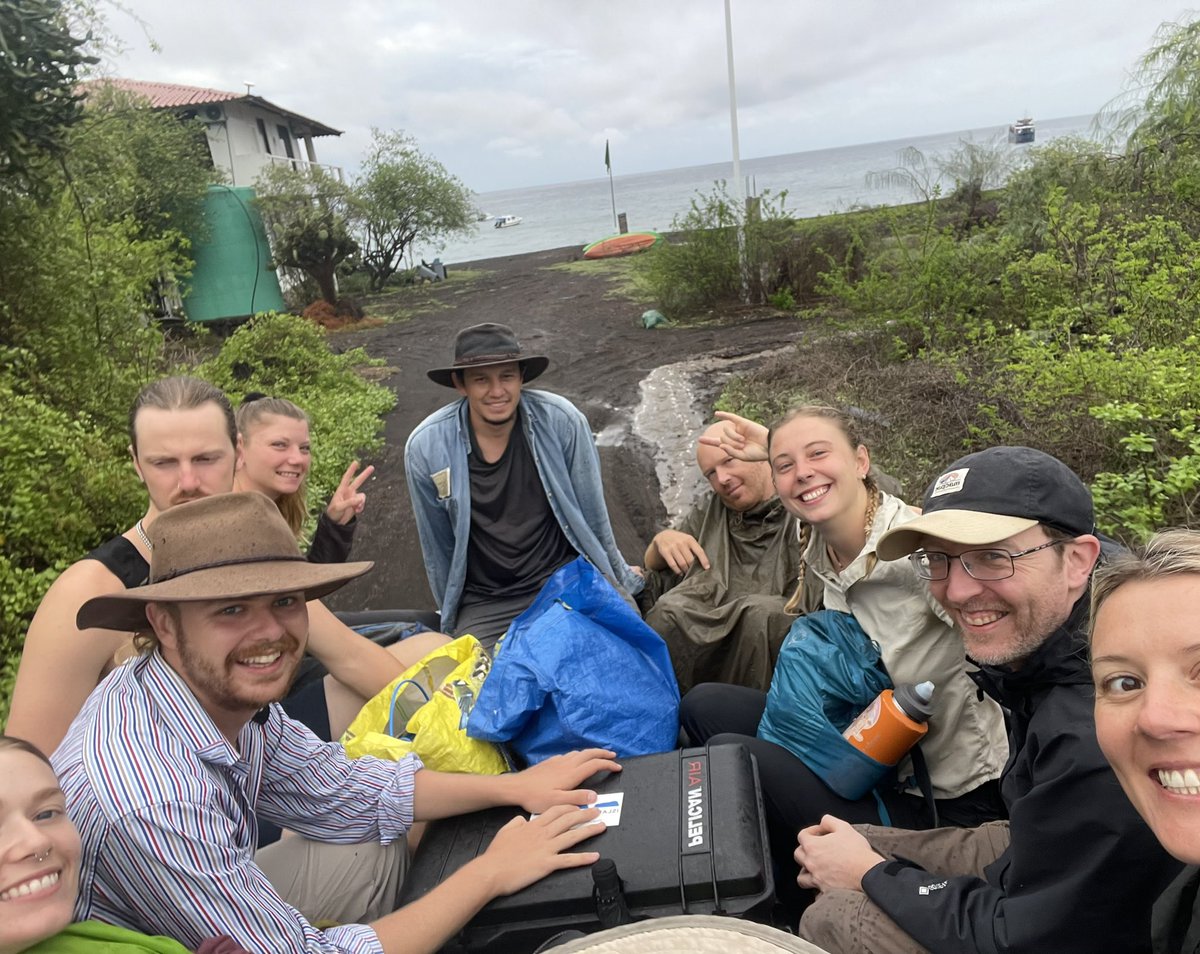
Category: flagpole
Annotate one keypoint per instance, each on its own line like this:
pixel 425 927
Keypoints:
pixel 611 191
pixel 739 187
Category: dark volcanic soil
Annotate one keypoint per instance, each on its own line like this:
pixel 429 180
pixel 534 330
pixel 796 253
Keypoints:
pixel 599 352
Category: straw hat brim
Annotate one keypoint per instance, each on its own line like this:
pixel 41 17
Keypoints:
pixel 533 365
pixel 126 611
pixel 690 934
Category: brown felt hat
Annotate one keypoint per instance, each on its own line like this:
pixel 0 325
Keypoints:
pixel 487 344
pixel 227 546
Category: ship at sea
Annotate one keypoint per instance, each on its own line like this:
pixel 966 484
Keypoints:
pixel 817 182
pixel 1021 131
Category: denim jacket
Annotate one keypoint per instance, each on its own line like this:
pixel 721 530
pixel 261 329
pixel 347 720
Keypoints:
pixel 439 483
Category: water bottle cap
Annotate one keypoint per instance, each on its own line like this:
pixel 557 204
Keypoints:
pixel 916 702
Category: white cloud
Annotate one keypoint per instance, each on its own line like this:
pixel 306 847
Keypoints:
pixel 522 92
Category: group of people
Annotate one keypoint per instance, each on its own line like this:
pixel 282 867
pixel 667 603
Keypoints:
pixel 1058 803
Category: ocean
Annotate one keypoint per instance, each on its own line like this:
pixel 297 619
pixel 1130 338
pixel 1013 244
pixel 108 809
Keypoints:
pixel 817 182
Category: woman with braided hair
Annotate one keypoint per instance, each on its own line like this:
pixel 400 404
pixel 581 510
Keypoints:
pixel 821 471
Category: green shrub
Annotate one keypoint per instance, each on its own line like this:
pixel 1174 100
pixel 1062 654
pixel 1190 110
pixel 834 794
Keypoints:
pixel 783 299
pixel 65 485
pixel 287 356
pixel 926 289
pixel 815 246
pixel 703 267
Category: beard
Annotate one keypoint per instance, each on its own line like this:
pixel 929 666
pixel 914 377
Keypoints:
pixel 231 685
pixel 1021 634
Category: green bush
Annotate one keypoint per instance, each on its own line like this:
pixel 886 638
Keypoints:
pixel 65 485
pixel 783 299
pixel 1127 416
pixel 703 267
pixel 75 299
pixel 288 357
pixel 816 245
pixel 927 289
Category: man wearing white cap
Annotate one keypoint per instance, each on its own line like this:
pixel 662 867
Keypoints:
pixel 177 754
pixel 1006 540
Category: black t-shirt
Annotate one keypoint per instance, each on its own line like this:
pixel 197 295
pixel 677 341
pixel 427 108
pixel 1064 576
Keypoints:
pixel 123 560
pixel 516 542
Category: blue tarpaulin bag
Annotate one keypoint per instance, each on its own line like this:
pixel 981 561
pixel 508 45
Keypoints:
pixel 578 669
pixel 828 671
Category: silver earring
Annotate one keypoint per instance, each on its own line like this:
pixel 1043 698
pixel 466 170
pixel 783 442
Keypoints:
pixel 44 856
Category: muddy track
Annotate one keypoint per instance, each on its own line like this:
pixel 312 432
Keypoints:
pixel 599 353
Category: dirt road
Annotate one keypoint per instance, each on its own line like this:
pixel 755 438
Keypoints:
pixel 599 353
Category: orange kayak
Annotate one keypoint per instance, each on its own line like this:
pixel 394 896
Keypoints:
pixel 624 244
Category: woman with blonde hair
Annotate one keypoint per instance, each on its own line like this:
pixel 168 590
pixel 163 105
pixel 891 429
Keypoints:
pixel 1145 643
pixel 275 459
pixel 821 469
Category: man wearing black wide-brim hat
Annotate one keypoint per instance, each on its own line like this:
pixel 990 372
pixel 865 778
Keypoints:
pixel 179 752
pixel 505 485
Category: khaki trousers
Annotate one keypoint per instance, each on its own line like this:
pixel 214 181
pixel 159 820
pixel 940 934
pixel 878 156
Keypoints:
pixel 336 884
pixel 848 922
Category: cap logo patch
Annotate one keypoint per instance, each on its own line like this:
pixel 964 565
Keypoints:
pixel 950 482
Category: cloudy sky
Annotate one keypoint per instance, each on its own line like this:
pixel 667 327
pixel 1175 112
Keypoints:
pixel 513 93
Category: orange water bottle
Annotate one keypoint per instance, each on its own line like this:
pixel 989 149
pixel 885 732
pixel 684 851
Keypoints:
pixel 893 723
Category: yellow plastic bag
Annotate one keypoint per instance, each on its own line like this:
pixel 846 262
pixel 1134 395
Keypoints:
pixel 425 711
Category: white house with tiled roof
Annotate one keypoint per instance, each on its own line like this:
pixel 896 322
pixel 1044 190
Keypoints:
pixel 245 133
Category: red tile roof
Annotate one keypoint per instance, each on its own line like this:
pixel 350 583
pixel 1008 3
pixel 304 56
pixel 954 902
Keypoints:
pixel 170 95
pixel 176 96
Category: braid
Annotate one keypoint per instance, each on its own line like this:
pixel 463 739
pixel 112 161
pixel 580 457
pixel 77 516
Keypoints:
pixel 795 604
pixel 874 499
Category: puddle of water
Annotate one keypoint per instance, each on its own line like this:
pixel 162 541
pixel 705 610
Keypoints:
pixel 674 408
pixel 613 435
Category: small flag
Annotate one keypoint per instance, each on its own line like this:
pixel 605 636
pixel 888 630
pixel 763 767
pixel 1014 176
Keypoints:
pixel 607 163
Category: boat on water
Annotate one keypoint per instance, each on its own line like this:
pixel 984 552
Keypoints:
pixel 504 221
pixel 1021 131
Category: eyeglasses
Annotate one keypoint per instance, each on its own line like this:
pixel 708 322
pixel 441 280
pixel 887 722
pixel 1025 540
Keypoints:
pixel 989 564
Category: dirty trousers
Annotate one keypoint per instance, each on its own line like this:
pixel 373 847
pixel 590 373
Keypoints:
pixel 848 922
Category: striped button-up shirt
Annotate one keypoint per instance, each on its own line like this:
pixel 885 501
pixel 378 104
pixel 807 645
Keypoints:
pixel 166 809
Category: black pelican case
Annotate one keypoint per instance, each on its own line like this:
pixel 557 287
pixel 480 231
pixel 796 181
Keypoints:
pixel 692 839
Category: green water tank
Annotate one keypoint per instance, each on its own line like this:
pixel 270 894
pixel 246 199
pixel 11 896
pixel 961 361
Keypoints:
pixel 232 277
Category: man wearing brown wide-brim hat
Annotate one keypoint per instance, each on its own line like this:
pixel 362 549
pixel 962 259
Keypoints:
pixel 505 486
pixel 178 753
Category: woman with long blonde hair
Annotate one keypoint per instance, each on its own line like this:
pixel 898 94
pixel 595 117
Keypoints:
pixel 276 455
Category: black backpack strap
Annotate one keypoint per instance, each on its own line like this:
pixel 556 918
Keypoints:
pixel 921 771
